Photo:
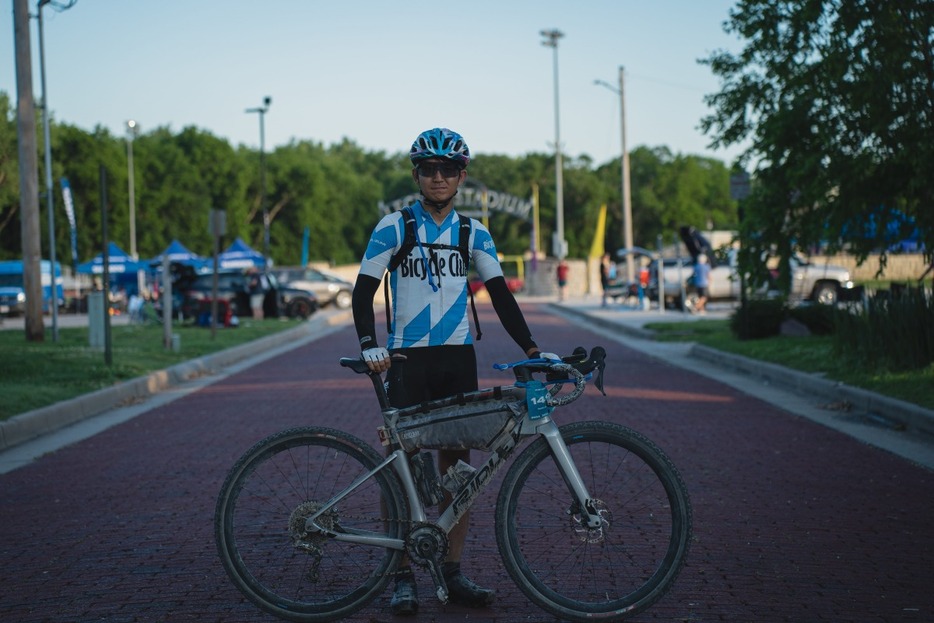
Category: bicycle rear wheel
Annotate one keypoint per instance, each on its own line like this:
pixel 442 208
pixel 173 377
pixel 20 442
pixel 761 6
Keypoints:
pixel 261 513
pixel 611 572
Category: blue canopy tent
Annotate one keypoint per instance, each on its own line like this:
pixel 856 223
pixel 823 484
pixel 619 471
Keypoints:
pixel 123 269
pixel 119 263
pixel 240 255
pixel 178 253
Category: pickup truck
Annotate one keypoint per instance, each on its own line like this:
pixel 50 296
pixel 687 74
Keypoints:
pixel 819 283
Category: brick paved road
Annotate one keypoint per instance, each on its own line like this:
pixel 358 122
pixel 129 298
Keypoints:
pixel 793 522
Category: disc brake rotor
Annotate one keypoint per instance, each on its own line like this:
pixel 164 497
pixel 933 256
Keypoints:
pixel 593 535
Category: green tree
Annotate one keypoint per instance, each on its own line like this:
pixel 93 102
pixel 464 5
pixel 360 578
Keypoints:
pixel 673 190
pixel 10 234
pixel 836 99
pixel 333 191
pixel 78 156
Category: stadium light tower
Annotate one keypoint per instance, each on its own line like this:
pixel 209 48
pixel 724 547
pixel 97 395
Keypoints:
pixel 261 110
pixel 559 244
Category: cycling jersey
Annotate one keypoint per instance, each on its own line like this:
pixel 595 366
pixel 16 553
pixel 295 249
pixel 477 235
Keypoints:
pixel 429 288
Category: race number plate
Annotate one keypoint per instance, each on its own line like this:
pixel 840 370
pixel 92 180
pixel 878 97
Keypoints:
pixel 536 398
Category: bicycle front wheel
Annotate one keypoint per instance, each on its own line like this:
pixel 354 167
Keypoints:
pixel 581 573
pixel 260 518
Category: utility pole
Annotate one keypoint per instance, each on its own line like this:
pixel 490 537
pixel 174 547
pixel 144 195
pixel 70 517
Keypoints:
pixel 28 174
pixel 625 191
pixel 49 195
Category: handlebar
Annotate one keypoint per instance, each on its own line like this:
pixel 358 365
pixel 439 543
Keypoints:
pixel 575 368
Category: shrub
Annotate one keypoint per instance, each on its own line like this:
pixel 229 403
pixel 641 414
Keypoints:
pixel 819 319
pixel 889 333
pixel 759 318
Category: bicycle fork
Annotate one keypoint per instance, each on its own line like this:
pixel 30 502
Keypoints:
pixel 590 514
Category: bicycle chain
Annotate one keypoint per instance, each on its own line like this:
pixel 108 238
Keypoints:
pixel 316 550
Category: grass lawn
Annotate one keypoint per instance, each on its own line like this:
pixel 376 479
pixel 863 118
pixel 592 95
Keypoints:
pixel 809 354
pixel 37 374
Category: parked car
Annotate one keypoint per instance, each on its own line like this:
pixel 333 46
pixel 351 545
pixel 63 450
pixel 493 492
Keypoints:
pixel 513 272
pixel 329 289
pixel 13 293
pixel 195 293
pixel 515 284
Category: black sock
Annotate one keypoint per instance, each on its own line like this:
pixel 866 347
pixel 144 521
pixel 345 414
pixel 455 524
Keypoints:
pixel 450 569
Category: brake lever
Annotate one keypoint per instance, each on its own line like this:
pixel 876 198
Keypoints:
pixel 596 361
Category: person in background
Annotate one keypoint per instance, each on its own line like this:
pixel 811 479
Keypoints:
pixel 644 303
pixel 562 273
pixel 430 323
pixel 605 265
pixel 701 282
pixel 257 284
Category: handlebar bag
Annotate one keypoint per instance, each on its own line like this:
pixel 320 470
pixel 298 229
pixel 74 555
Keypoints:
pixel 465 421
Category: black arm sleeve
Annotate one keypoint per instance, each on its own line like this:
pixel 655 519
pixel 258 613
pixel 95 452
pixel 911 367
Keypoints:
pixel 509 313
pixel 363 317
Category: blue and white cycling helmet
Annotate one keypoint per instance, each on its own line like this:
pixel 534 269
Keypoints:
pixel 440 143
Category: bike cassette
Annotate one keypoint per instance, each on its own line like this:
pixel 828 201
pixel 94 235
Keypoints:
pixel 311 542
pixel 426 544
pixel 301 537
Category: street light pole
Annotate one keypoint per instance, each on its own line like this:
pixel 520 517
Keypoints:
pixel 262 175
pixel 559 244
pixel 132 131
pixel 625 192
pixel 49 197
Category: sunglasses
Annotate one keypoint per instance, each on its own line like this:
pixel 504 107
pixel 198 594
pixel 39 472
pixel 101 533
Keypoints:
pixel 429 169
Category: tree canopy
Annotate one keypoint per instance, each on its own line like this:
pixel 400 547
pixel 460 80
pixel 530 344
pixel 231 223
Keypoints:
pixel 334 191
pixel 836 98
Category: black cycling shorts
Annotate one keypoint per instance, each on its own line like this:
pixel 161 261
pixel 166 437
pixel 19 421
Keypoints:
pixel 432 372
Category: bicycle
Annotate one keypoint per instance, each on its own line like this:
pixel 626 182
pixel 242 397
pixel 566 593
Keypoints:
pixel 592 520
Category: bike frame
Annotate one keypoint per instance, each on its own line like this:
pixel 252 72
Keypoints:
pixel 504 446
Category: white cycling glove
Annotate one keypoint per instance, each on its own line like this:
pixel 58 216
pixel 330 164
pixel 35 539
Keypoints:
pixel 549 356
pixel 375 355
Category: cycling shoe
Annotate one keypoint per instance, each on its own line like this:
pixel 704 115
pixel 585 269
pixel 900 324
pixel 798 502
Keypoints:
pixel 404 597
pixel 465 592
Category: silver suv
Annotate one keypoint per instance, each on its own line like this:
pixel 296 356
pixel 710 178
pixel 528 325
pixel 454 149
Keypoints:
pixel 329 289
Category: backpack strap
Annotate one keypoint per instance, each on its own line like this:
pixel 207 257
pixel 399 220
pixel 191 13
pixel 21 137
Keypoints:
pixel 463 245
pixel 408 243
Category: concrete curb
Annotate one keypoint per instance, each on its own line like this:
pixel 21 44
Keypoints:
pixel 896 413
pixel 32 424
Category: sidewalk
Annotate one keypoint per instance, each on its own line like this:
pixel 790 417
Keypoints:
pixel 897 426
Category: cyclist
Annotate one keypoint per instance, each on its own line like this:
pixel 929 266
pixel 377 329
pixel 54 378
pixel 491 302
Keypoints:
pixel 430 323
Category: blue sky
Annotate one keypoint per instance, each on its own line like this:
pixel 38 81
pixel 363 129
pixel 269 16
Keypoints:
pixel 378 73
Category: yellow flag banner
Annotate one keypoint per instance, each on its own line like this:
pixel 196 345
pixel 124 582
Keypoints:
pixel 597 248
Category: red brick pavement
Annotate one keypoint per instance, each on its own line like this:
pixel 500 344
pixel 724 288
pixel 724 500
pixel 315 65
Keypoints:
pixel 793 521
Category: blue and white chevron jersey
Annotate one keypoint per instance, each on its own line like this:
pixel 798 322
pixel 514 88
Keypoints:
pixel 421 315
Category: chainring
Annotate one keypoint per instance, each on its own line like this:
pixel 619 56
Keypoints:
pixel 426 543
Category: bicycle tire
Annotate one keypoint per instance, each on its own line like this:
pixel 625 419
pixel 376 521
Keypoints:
pixel 271 488
pixel 609 573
